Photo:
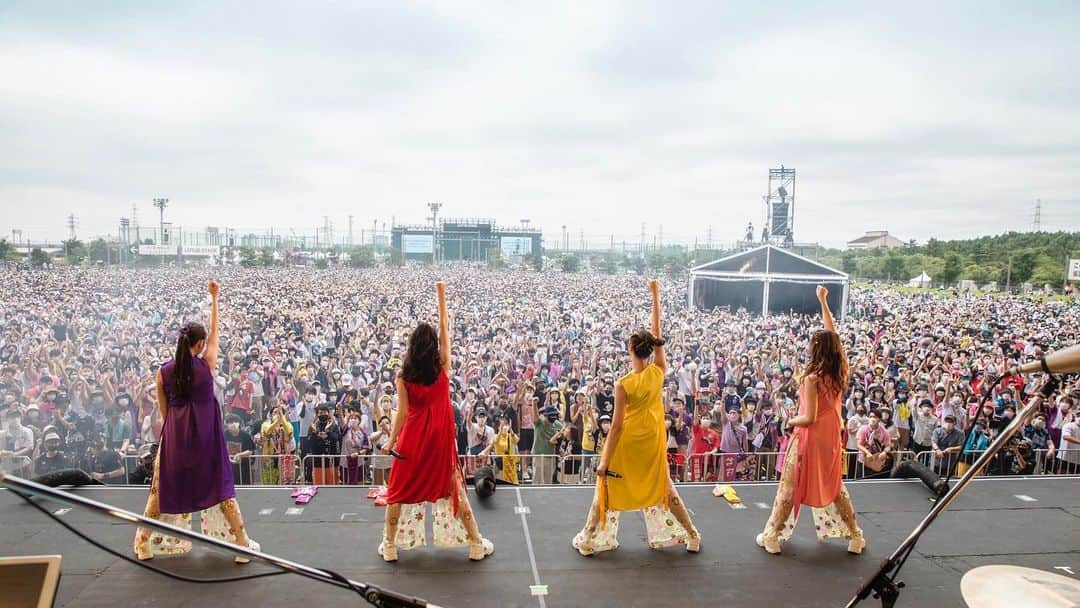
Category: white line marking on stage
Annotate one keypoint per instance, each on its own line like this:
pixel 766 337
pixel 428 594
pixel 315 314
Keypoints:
pixel 532 556
pixel 266 512
pixel 1065 568
pixel 61 511
pixel 294 510
pixel 344 515
pixel 761 505
pixel 1025 498
pixel 522 511
pixel 736 505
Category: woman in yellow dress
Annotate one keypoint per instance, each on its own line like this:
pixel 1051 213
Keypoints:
pixel 633 470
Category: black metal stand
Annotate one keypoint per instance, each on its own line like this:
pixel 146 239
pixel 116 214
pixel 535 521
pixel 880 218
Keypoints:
pixel 376 596
pixel 883 584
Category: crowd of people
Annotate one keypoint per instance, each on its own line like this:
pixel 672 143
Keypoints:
pixel 309 360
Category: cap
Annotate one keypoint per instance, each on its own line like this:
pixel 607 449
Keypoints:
pixel 52 436
pixel 950 418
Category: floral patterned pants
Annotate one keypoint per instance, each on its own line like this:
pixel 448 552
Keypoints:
pixel 835 520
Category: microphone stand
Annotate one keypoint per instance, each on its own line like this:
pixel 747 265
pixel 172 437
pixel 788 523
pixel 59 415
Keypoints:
pixel 883 584
pixel 376 596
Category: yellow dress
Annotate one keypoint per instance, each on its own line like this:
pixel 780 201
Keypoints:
pixel 641 455
pixel 641 459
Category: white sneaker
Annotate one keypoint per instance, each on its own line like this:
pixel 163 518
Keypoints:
pixel 480 550
pixel 388 552
pixel 254 546
pixel 771 544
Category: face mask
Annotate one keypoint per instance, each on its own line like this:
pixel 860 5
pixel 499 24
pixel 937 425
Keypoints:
pixel 949 426
pixel 705 422
pixel 323 417
pixel 1039 424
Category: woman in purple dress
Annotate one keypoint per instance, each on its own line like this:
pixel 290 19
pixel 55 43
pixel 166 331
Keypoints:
pixel 192 471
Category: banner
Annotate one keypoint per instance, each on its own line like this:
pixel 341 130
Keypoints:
pixel 156 249
pixel 205 251
pixel 1074 270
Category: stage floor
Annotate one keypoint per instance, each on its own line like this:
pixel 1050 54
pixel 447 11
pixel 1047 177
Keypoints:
pixel 1028 522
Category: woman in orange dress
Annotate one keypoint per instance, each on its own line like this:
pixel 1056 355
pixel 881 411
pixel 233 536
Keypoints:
pixel 813 464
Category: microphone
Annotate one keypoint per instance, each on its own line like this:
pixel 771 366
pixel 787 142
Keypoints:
pixel 66 477
pixel 395 454
pixel 1064 361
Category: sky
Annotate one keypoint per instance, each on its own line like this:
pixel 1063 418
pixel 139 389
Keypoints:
pixel 927 119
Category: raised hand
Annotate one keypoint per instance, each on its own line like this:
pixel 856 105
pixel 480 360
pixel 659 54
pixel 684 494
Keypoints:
pixel 822 293
pixel 654 287
pixel 212 287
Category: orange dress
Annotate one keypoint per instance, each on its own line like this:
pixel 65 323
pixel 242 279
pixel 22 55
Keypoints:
pixel 819 471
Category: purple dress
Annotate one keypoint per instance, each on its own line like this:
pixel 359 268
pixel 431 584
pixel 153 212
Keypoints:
pixel 194 469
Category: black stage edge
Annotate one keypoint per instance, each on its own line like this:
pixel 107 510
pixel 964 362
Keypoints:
pixel 1032 522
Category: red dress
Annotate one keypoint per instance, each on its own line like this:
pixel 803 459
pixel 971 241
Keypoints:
pixel 428 446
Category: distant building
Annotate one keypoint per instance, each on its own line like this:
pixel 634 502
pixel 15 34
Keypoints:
pixel 875 239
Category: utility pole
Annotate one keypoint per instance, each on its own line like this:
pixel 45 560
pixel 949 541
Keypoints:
pixel 661 236
pixel 72 221
pixel 581 239
pixel 1008 276
pixel 641 250
pixel 435 231
pixel 709 244
pixel 1037 224
pixel 161 203
pixel 135 222
pixel 350 232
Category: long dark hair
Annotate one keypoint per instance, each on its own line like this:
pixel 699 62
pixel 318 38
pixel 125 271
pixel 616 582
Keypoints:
pixel 422 359
pixel 183 372
pixel 827 360
pixel 642 343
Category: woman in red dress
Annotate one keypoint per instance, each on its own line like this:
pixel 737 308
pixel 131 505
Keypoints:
pixel 426 466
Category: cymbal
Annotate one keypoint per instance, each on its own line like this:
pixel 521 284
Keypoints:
pixel 1009 586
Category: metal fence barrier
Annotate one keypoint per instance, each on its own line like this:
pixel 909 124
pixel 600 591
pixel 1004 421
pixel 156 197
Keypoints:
pixel 580 469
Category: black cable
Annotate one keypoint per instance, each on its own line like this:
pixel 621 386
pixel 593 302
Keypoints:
pixel 187 579
pixel 141 564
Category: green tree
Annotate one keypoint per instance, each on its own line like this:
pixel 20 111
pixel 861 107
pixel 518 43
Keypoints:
pixel 321 263
pixel 363 257
pixel 249 257
pixel 75 251
pixel 1048 272
pixel 954 266
pixel 266 257
pixel 608 263
pixel 7 251
pixel 981 273
pixel 894 267
pixel 848 263
pixel 1023 265
pixel 38 258
pixel 634 262
pixel 103 251
pixel 569 262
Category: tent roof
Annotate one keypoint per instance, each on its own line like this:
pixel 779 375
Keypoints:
pixel 923 277
pixel 768 260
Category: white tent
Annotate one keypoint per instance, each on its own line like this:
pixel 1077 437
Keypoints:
pixel 923 280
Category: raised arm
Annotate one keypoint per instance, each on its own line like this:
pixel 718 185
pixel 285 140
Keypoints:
pixel 659 357
pixel 210 355
pixel 826 314
pixel 444 326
